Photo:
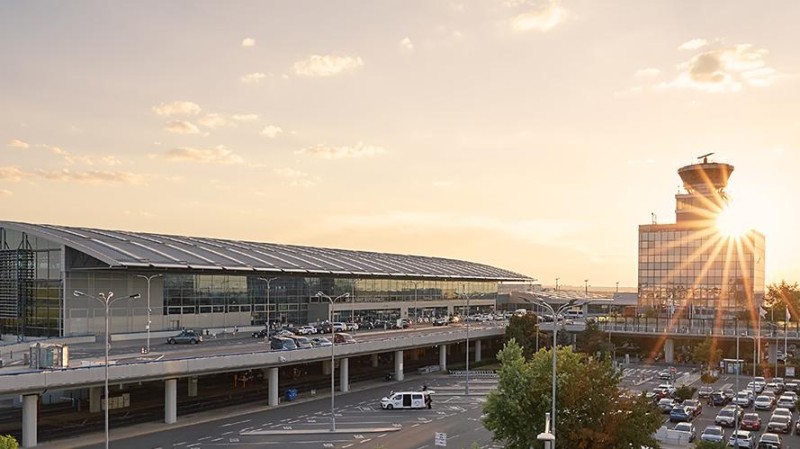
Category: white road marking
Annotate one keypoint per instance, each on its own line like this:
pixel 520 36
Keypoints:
pixel 235 423
pixel 364 441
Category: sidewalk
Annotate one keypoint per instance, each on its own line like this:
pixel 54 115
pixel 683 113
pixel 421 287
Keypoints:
pixel 208 416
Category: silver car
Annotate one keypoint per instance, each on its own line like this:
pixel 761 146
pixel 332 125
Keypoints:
pixel 186 336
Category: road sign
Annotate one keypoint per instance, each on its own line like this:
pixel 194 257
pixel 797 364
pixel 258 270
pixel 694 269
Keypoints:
pixel 440 438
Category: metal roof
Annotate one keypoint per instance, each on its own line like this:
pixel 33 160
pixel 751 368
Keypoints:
pixel 126 249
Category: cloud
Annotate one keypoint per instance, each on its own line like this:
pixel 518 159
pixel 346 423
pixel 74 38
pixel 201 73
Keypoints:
pixel 407 44
pixel 253 78
pixel 15 174
pixel 295 177
pixel 181 127
pixel 214 121
pixel 54 149
pixel 725 69
pixel 271 131
pixel 177 108
pixel 327 65
pixel 217 155
pixel 4 192
pixel 244 117
pixel 248 42
pixel 540 15
pixel 16 143
pixel 647 73
pixel 693 44
pixel 342 152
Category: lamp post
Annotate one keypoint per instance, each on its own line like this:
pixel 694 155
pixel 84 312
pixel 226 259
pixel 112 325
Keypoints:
pixel 266 309
pixel 557 283
pixel 106 301
pixel 586 287
pixel 149 322
pixel 415 304
pixel 466 318
pixel 738 368
pixel 555 313
pixel 333 344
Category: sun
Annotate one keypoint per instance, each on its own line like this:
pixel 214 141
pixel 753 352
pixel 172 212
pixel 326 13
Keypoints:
pixel 732 223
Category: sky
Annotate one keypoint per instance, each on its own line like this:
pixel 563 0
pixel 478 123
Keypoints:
pixel 533 136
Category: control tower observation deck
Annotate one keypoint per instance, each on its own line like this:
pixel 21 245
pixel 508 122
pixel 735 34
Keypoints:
pixel 705 195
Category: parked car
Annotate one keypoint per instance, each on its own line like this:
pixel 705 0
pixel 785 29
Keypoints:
pixel 792 386
pixel 680 414
pixel 301 342
pixel 779 423
pixel 770 441
pixel 341 338
pixel 440 322
pixel 186 336
pixel 751 421
pixel 665 375
pixel 719 399
pixel 261 333
pixel 797 427
pixel 742 437
pixel 694 406
pixel 306 330
pixel 339 327
pixel 713 433
pixel 278 343
pixel 787 401
pixel 666 405
pixel 705 392
pixel 760 384
pixel 764 402
pixel 782 411
pixel 320 342
pixel 687 428
pixel 743 399
pixel 727 417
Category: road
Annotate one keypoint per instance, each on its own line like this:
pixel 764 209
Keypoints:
pixel 306 425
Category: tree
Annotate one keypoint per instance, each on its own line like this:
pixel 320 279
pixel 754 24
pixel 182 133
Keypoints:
pixel 8 442
pixel 591 410
pixel 779 297
pixel 707 352
pixel 593 340
pixel 523 330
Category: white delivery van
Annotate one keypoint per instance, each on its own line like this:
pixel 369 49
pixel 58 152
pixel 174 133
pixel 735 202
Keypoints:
pixel 574 314
pixel 405 399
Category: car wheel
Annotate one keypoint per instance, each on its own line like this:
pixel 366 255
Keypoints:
pixel 193 341
pixel 171 341
pixel 389 407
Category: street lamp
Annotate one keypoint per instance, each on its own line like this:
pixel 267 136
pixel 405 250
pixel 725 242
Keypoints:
pixel 149 322
pixel 586 287
pixel 557 283
pixel 266 310
pixel 106 300
pixel 333 344
pixel 415 304
pixel 466 318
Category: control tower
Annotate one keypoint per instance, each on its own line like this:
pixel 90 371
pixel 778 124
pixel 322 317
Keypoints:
pixel 705 195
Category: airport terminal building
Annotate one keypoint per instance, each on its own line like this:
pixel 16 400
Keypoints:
pixel 201 283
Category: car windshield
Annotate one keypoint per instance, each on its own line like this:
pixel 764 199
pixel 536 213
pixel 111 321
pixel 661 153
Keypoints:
pixel 686 427
pixel 726 412
pixel 750 417
pixel 713 431
pixel 780 418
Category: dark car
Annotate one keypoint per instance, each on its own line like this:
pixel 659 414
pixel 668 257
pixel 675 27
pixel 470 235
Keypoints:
pixel 751 421
pixel 186 336
pixel 263 333
pixel 779 423
pixel 719 399
pixel 797 427
pixel 680 414
pixel 282 344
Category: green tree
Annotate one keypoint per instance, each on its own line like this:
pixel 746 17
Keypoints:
pixel 685 392
pixel 779 297
pixel 707 352
pixel 523 330
pixel 8 442
pixel 591 411
pixel 593 340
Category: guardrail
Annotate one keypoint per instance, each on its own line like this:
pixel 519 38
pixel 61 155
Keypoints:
pixel 485 373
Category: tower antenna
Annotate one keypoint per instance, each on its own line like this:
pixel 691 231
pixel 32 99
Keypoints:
pixel 705 157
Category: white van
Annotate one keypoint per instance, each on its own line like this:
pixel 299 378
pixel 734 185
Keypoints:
pixel 405 399
pixel 520 312
pixel 574 314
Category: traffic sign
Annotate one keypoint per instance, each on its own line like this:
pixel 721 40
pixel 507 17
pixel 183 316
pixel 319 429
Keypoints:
pixel 440 438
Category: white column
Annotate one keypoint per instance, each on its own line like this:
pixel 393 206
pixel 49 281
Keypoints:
pixel 669 351
pixel 273 387
pixel 374 360
pixel 443 357
pixel 30 404
pixel 192 387
pixel 477 351
pixel 170 401
pixel 344 375
pixel 398 365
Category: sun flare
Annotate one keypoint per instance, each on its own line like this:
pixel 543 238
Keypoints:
pixel 732 223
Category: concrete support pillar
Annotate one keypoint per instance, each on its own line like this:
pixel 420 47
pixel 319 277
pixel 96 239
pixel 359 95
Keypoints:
pixel 477 351
pixel 273 386
pixel 326 367
pixel 443 357
pixel 344 375
pixel 192 392
pixel 669 351
pixel 30 404
pixel 374 360
pixel 170 401
pixel 398 365
pixel 772 355
pixel 95 394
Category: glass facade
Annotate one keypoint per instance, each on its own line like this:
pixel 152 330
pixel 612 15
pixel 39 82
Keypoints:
pixel 684 267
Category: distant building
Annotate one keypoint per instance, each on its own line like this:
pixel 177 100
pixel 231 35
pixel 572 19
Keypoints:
pixel 690 267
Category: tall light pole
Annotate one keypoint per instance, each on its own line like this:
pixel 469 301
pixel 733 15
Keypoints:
pixel 738 368
pixel 586 287
pixel 415 304
pixel 557 283
pixel 467 317
pixel 333 344
pixel 106 301
pixel 266 309
pixel 555 313
pixel 149 321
